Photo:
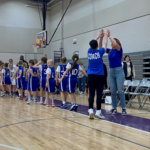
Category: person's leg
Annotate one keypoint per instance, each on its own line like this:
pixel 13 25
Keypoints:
pixel 41 93
pixel 92 88
pixel 113 89
pixel 9 89
pixel 47 99
pixel 79 85
pixel 52 98
pixel 83 83
pixel 120 86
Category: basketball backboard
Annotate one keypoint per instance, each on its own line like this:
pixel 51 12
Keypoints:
pixel 41 38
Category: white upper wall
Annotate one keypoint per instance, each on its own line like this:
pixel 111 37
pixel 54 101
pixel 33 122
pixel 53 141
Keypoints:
pixel 18 25
pixel 128 20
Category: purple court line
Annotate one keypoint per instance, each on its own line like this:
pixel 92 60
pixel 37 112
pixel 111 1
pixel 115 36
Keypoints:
pixel 129 121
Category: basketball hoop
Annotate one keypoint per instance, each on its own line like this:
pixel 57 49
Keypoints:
pixel 35 47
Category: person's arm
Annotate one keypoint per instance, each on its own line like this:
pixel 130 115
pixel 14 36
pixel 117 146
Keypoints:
pixel 36 65
pixel 14 75
pixel 47 79
pixel 133 72
pixel 57 75
pixel 33 75
pixel 113 42
pixel 84 73
pixel 63 75
pixel 20 72
pixel 106 40
pixel 27 76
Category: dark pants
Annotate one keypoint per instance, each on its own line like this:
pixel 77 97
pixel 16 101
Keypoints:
pixel 129 78
pixel 81 83
pixel 95 83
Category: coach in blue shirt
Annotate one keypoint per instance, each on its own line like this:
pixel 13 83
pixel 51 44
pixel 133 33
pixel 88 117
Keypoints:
pixel 95 72
pixel 116 74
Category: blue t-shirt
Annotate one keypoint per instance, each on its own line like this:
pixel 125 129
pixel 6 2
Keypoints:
pixel 95 63
pixel 115 57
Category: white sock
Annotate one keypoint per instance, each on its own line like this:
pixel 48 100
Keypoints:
pixel 41 98
pixel 63 102
pixel 19 94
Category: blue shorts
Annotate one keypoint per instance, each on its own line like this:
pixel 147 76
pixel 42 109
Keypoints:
pixel 63 85
pixel 24 84
pixel 43 82
pixel 32 84
pixel 71 86
pixel 38 82
pixel 6 80
pixel 19 83
pixel 51 86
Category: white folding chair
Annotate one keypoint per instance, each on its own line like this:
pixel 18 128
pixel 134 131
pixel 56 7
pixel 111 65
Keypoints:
pixel 134 83
pixel 146 87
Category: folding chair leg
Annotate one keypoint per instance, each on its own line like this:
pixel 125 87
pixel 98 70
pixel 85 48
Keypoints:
pixel 118 103
pixel 140 105
pixel 130 101
pixel 144 103
pixel 139 100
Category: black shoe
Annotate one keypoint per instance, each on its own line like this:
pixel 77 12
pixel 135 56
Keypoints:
pixel 124 112
pixel 112 111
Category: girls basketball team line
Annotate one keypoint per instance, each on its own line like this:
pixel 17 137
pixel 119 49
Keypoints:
pixel 42 75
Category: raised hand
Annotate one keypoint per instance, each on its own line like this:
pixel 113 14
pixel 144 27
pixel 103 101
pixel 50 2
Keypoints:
pixel 108 33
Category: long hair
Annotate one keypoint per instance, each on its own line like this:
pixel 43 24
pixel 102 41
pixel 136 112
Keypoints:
pixel 80 63
pixel 75 59
pixel 24 65
pixel 118 42
pixel 6 67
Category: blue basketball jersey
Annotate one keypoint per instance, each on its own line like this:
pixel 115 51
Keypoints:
pixel 43 71
pixel 74 72
pixel 52 75
pixel 7 73
pixel 62 70
pixel 34 72
pixel 20 68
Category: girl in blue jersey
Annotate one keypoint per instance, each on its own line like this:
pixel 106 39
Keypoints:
pixel 32 82
pixel 50 82
pixel 42 66
pixel 6 78
pixel 19 75
pixel 24 82
pixel 63 85
pixel 1 80
pixel 72 69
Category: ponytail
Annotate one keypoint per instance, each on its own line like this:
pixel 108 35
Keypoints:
pixel 6 67
pixel 75 59
pixel 24 65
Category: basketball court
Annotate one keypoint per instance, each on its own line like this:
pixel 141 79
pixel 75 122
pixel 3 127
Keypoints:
pixel 35 127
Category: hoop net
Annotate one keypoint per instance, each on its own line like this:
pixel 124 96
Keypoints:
pixel 35 47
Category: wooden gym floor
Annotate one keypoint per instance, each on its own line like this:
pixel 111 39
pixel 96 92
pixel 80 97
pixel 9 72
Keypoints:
pixel 36 127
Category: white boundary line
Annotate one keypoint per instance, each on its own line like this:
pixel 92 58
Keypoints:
pixel 10 147
pixel 111 122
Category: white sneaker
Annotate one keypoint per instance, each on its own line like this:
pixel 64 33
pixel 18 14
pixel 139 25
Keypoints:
pixel 80 93
pixel 91 113
pixel 29 101
pixel 2 94
pixel 41 101
pixel 99 115
pixel 45 102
